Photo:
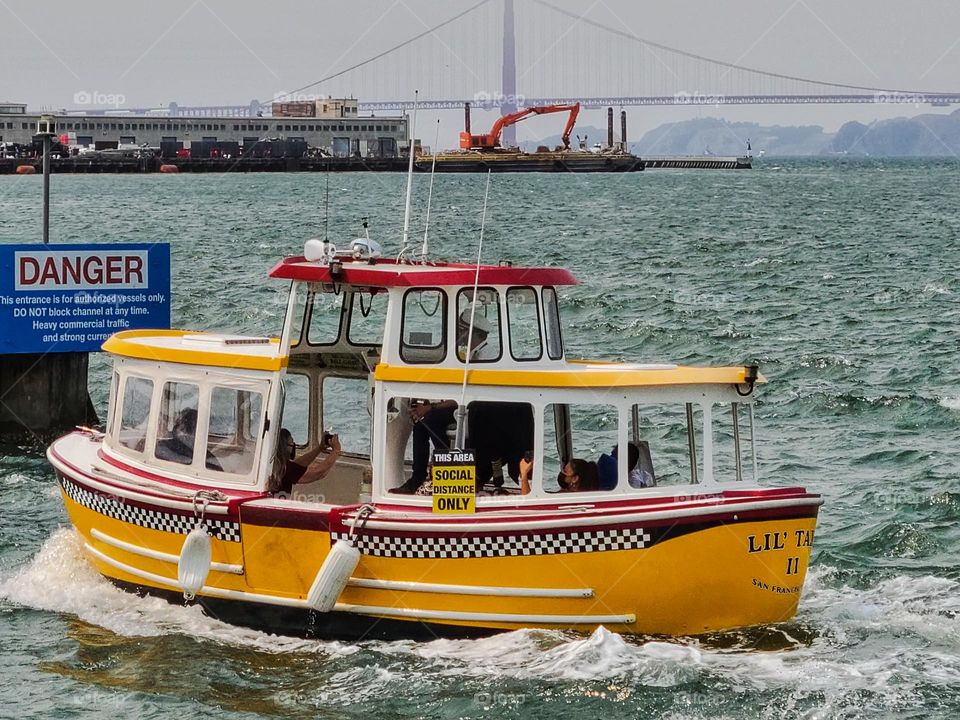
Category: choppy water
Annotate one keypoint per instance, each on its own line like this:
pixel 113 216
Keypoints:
pixel 839 277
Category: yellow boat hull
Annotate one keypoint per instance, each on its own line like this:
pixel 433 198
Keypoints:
pixel 713 570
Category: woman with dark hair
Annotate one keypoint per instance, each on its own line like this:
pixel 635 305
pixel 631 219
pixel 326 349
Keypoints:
pixel 290 470
pixel 577 475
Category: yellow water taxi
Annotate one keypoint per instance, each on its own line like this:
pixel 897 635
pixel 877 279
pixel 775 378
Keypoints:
pixel 483 480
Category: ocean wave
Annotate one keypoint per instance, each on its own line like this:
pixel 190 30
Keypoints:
pixel 913 407
pixel 825 361
pixel 836 655
pixel 927 606
pixel 951 403
pixel 897 540
pixel 61 579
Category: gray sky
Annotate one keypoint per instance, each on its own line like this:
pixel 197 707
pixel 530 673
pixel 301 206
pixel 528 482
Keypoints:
pixel 232 51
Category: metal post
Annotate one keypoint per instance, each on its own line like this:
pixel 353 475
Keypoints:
pixel 753 445
pixel 635 410
pixel 46 189
pixel 691 445
pixel 609 127
pixel 735 409
pixel 706 411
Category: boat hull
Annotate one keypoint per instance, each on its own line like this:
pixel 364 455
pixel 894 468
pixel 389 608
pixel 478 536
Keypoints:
pixel 684 567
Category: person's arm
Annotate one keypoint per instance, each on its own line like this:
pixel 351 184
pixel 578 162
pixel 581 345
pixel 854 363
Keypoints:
pixel 526 469
pixel 317 470
pixel 308 457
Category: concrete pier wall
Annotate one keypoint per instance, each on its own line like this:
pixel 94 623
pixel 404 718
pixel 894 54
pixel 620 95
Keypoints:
pixel 44 394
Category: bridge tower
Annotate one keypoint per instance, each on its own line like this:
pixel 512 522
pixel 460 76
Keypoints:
pixel 508 84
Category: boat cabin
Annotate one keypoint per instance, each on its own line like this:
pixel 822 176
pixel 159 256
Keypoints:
pixel 370 346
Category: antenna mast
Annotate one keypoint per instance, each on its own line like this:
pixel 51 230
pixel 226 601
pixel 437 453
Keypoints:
pixel 433 168
pixel 326 206
pixel 406 210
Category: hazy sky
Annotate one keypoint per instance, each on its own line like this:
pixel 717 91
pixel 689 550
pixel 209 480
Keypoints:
pixel 232 51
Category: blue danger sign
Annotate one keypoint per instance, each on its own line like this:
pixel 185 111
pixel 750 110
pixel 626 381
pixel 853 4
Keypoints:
pixel 70 298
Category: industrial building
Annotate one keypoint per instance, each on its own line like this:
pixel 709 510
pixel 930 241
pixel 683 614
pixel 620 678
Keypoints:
pixel 335 127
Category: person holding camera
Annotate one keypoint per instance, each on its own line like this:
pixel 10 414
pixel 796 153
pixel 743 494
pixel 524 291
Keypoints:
pixel 290 470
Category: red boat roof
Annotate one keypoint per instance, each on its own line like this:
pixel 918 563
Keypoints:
pixel 386 273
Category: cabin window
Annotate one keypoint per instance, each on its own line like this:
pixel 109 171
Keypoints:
pixel 486 339
pixel 299 312
pixel 233 430
pixel 580 439
pixel 325 311
pixel 346 412
pixel 670 446
pixel 368 317
pixel 296 407
pixel 114 398
pixel 422 331
pixel 732 456
pixel 551 321
pixel 177 427
pixel 137 394
pixel 524 320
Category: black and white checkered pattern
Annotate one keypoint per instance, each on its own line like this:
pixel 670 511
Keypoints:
pixel 555 543
pixel 115 507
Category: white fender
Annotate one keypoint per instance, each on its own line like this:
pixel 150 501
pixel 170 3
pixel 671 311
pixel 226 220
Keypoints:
pixel 194 564
pixel 333 575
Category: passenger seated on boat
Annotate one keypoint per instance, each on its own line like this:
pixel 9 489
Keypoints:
pixel 290 470
pixel 178 447
pixel 638 475
pixel 641 465
pixel 577 475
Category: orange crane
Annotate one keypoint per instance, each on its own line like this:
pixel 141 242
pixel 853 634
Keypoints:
pixel 491 140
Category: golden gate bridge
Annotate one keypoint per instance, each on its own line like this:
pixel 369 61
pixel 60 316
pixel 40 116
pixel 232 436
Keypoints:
pixel 502 54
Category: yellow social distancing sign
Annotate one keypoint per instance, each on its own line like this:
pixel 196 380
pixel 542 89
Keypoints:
pixel 454 480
